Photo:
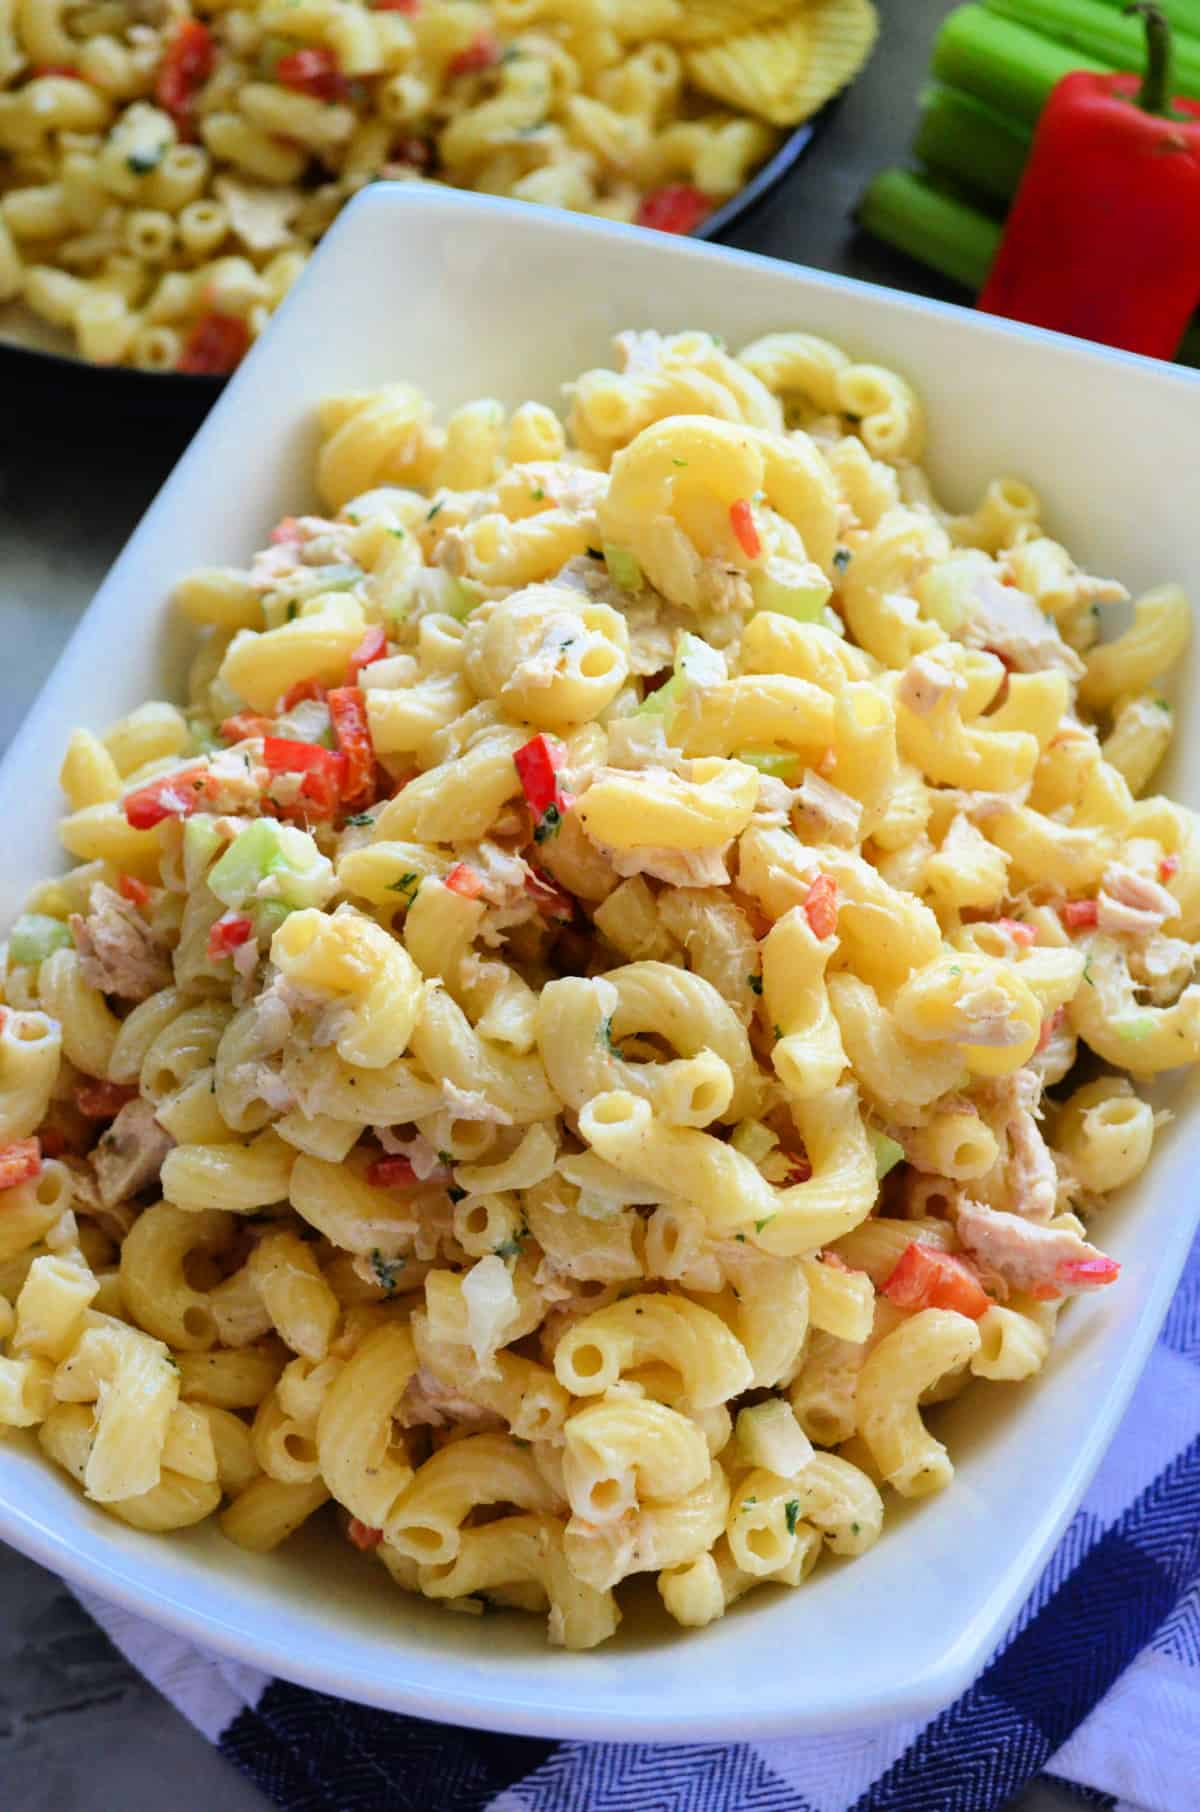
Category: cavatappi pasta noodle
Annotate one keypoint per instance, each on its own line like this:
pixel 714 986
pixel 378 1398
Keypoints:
pixel 166 166
pixel 615 994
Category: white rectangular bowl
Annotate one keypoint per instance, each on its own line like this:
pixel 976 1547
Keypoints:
pixel 469 297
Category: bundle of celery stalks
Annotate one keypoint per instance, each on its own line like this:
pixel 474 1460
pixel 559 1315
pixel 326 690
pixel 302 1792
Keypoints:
pixel 994 65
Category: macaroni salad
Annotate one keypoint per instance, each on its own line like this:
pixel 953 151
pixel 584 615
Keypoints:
pixel 615 994
pixel 166 166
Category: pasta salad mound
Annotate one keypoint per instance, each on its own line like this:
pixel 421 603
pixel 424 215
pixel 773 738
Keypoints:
pixel 617 992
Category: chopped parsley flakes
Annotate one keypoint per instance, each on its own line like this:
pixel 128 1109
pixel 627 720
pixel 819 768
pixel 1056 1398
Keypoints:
pixel 754 982
pixel 386 1270
pixel 408 886
pixel 841 559
pixel 431 513
pixel 791 1510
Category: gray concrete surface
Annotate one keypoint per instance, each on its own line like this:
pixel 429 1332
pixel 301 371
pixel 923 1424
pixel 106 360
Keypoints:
pixel 79 1730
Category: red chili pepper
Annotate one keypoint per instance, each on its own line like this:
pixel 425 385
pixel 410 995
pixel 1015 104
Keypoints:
pixel 171 796
pixel 244 724
pixel 186 66
pixel 324 771
pixel 133 890
pixel 348 714
pixel 20 1162
pixel 483 52
pixel 1112 185
pixel 314 71
pixel 303 689
pixel 675 208
pixel 1050 1026
pixel 361 1534
pixel 373 647
pixel 1078 915
pixel 228 932
pixel 925 1278
pixel 821 906
pixel 465 880
pixel 103 1100
pixel 1018 931
pixel 1168 868
pixel 215 345
pixel 391 1173
pixel 1088 1273
pixel 537 763
pixel 741 518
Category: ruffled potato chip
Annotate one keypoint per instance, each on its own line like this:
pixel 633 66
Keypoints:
pixel 786 69
pixel 706 21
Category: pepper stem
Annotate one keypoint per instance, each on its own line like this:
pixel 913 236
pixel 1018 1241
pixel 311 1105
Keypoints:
pixel 1154 95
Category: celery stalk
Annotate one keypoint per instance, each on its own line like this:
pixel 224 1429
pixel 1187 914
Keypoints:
pixel 1182 15
pixel 972 143
pixel 916 218
pixel 1098 31
pixel 1001 62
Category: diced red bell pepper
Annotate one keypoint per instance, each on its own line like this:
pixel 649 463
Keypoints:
pixel 303 689
pixel 216 344
pixel 1088 1271
pixel 324 771
pixel 171 796
pixel 1168 868
pixel 53 1142
pixel 133 890
pixel 1078 915
pixel 313 70
pixel 186 66
pixel 925 1278
pixel 360 1533
pixel 821 906
pixel 483 52
pixel 391 1173
pixel 537 763
pixel 98 1100
pixel 465 880
pixel 741 519
pixel 373 647
pixel 1018 931
pixel 232 929
pixel 677 207
pixel 348 714
pixel 244 724
pixel 286 533
pixel 1050 1026
pixel 1044 1292
pixel 397 6
pixel 20 1162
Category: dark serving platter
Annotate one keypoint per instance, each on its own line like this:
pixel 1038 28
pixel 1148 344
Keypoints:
pixel 31 372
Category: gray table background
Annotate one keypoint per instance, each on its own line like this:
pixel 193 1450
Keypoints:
pixel 79 1730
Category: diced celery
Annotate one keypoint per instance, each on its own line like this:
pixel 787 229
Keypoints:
pixel 268 917
pixel 791 588
pixel 201 841
pixel 698 664
pixel 623 569
pixel 337 578
pixel 662 702
pixel 34 936
pixel 280 856
pixel 462 596
pixel 1135 1029
pixel 772 761
pixel 947 590
pixel 205 740
pixel 754 1139
pixel 888 1153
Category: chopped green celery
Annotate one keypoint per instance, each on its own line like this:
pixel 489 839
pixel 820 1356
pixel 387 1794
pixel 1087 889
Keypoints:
pixel 201 841
pixel 268 916
pixel 280 854
pixel 307 721
pixel 771 761
pixel 462 597
pixel 697 664
pixel 1135 1029
pixel 888 1153
pixel 205 740
pixel 947 591
pixel 663 701
pixel 754 1140
pixel 791 588
pixel 34 936
pixel 336 578
pixel 623 569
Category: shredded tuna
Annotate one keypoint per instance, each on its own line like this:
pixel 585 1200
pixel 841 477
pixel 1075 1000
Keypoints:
pixel 119 952
pixel 1028 1257
pixel 1032 1177
pixel 677 867
pixel 428 1402
pixel 469 1104
pixel 1009 623
pixel 925 683
pixel 260 217
pixel 1163 967
pixel 1132 905
pixel 827 812
pixel 129 1154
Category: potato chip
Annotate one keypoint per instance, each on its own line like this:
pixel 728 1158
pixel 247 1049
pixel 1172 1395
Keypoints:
pixel 706 21
pixel 786 69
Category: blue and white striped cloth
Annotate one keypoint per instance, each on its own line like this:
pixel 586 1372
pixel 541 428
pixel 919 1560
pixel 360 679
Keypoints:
pixel 1097 1683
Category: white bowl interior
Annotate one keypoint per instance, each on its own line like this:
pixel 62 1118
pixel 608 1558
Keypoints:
pixel 471 297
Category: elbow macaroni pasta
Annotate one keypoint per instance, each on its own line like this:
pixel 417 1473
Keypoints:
pixel 545 1050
